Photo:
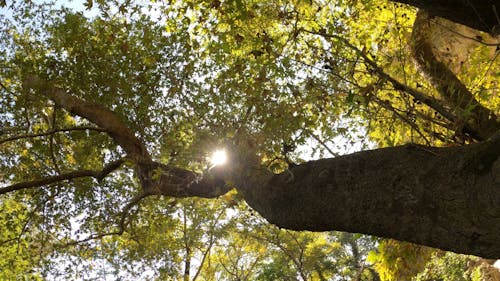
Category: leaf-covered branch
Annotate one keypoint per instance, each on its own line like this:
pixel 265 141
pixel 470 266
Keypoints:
pixel 387 105
pixel 98 175
pixel 155 177
pixel 425 99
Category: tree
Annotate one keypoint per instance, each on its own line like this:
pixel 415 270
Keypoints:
pixel 87 104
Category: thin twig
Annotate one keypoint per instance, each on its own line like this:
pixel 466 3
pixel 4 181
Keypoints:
pixel 318 139
pixel 122 225
pixel 6 89
pixel 51 142
pixel 244 121
pixel 51 132
pixel 490 64
pixel 388 106
pixel 8 241
pixel 210 244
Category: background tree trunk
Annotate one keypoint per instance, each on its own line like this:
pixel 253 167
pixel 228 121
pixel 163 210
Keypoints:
pixel 451 90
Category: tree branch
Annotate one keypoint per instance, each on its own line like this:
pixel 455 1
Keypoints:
pixel 211 241
pixel 98 175
pixel 9 240
pixel 95 113
pixel 177 182
pixel 429 101
pixel 155 178
pixel 320 141
pixel 387 105
pixel 425 195
pixel 6 89
pixel 478 14
pixel 51 141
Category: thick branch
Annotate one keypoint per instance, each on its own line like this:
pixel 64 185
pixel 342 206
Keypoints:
pixel 452 90
pixel 95 113
pixel 98 175
pixel 478 14
pixel 155 178
pixel 177 182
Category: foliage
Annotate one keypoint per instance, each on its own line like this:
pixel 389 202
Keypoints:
pixel 396 260
pixel 449 267
pixel 18 254
pixel 258 251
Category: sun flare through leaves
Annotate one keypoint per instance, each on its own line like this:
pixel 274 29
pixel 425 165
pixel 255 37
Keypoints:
pixel 219 157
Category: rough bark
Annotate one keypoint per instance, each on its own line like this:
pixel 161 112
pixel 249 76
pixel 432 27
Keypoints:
pixel 482 15
pixel 447 198
pixel 455 94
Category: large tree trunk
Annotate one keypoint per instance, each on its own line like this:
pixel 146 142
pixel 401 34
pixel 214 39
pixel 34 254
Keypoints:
pixel 447 198
pixel 482 15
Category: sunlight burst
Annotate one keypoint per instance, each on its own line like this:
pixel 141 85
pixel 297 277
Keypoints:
pixel 219 157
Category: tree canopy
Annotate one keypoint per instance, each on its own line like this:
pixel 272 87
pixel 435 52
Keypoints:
pixel 109 117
